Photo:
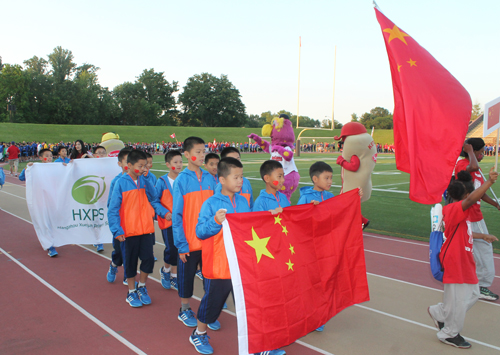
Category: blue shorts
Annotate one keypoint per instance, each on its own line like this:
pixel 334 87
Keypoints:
pixel 186 273
pixel 216 293
pixel 170 254
pixel 140 246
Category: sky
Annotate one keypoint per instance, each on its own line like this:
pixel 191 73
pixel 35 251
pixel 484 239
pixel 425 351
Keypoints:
pixel 256 44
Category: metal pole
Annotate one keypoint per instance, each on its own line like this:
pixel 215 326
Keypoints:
pixel 298 87
pixel 491 190
pixel 333 99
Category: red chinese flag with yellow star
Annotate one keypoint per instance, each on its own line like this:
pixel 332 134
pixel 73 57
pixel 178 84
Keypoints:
pixel 431 114
pixel 294 271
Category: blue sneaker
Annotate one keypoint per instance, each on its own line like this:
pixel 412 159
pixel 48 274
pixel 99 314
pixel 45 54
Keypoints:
pixel 143 295
pixel 125 282
pixel 225 306
pixel 214 326
pixel 165 279
pixel 200 343
pixel 272 352
pixel 100 247
pixel 320 329
pixel 156 259
pixel 173 283
pixel 112 273
pixel 187 317
pixel 52 252
pixel 133 299
pixel 199 274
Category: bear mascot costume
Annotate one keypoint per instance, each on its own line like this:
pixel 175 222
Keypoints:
pixel 281 149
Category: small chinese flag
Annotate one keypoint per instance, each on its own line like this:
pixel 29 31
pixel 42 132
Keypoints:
pixel 493 115
pixel 172 135
pixel 431 113
pixel 294 271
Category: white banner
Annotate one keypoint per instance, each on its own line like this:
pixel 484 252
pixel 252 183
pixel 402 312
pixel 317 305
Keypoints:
pixel 67 204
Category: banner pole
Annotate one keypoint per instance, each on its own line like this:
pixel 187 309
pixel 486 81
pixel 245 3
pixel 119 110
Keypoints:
pixel 491 190
pixel 496 149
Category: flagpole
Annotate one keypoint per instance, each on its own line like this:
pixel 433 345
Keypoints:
pixel 298 86
pixel 333 98
pixel 496 149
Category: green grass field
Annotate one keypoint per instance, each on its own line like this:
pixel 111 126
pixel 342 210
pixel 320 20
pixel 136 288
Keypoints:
pixel 68 133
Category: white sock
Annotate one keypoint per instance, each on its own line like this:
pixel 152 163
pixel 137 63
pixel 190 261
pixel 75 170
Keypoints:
pixel 200 333
pixel 173 275
pixel 113 264
pixel 165 269
pixel 130 291
pixel 141 284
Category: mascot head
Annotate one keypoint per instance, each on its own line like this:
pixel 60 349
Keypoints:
pixel 351 129
pixel 280 131
pixel 111 141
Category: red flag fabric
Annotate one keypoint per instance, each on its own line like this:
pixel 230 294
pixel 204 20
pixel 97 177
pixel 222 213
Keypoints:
pixel 172 135
pixel 294 271
pixel 431 114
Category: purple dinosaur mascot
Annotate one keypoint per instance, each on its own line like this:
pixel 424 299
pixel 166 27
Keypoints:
pixel 281 149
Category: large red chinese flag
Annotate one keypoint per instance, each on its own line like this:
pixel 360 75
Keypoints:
pixel 431 114
pixel 294 271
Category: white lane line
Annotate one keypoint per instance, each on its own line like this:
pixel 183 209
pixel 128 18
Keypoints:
pixel 423 325
pixel 76 306
pixel 399 183
pixel 397 256
pixel 2 191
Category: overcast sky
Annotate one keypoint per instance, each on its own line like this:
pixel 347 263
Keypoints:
pixel 256 43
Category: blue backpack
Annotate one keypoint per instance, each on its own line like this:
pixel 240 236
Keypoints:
pixel 2 177
pixel 435 243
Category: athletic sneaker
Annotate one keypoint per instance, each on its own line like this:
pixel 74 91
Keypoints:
pixel 100 248
pixel 214 326
pixel 125 282
pixel 112 273
pixel 485 294
pixel 320 329
pixel 133 299
pixel 199 274
pixel 439 325
pixel 187 317
pixel 200 343
pixel 173 283
pixel 457 342
pixel 272 352
pixel 224 306
pixel 143 295
pixel 365 224
pixel 165 279
pixel 52 252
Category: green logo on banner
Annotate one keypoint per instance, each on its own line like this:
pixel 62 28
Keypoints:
pixel 88 189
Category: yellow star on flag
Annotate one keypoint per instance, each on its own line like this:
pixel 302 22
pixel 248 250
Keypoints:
pixel 290 264
pixel 260 246
pixel 277 219
pixel 399 67
pixel 396 33
pixel 291 249
pixel 412 63
pixel 285 230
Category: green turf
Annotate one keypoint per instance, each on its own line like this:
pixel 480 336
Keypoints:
pixel 55 133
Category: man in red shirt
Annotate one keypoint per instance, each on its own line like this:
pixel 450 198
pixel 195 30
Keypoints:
pixel 13 153
pixel 472 154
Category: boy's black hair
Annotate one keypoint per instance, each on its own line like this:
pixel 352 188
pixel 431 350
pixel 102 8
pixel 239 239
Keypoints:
pixel 148 155
pixel 171 154
pixel 59 148
pixel 319 167
pixel 268 167
pixel 123 153
pixel 43 150
pixel 476 143
pixel 226 164
pixel 229 150
pixel 99 147
pixel 189 143
pixel 461 185
pixel 211 156
pixel 135 155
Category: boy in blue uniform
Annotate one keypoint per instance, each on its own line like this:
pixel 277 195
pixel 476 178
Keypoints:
pixel 270 198
pixel 164 189
pixel 130 215
pixel 63 155
pixel 246 189
pixel 117 254
pixel 192 187
pixel 211 161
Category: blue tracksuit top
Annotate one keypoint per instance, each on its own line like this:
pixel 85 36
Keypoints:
pixel 60 160
pixel 22 176
pixel 112 185
pixel 207 226
pixel 123 185
pixel 188 187
pixel 266 202
pixel 151 178
pixel 307 194
pixel 246 189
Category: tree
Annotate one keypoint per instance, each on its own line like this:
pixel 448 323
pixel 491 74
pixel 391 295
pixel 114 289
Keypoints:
pixel 254 121
pixel 159 92
pixel 13 91
pixel 379 112
pixel 62 64
pixel 326 123
pixel 354 117
pixel 476 111
pixel 337 124
pixel 210 101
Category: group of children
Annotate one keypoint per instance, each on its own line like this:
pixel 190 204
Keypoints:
pixel 190 206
